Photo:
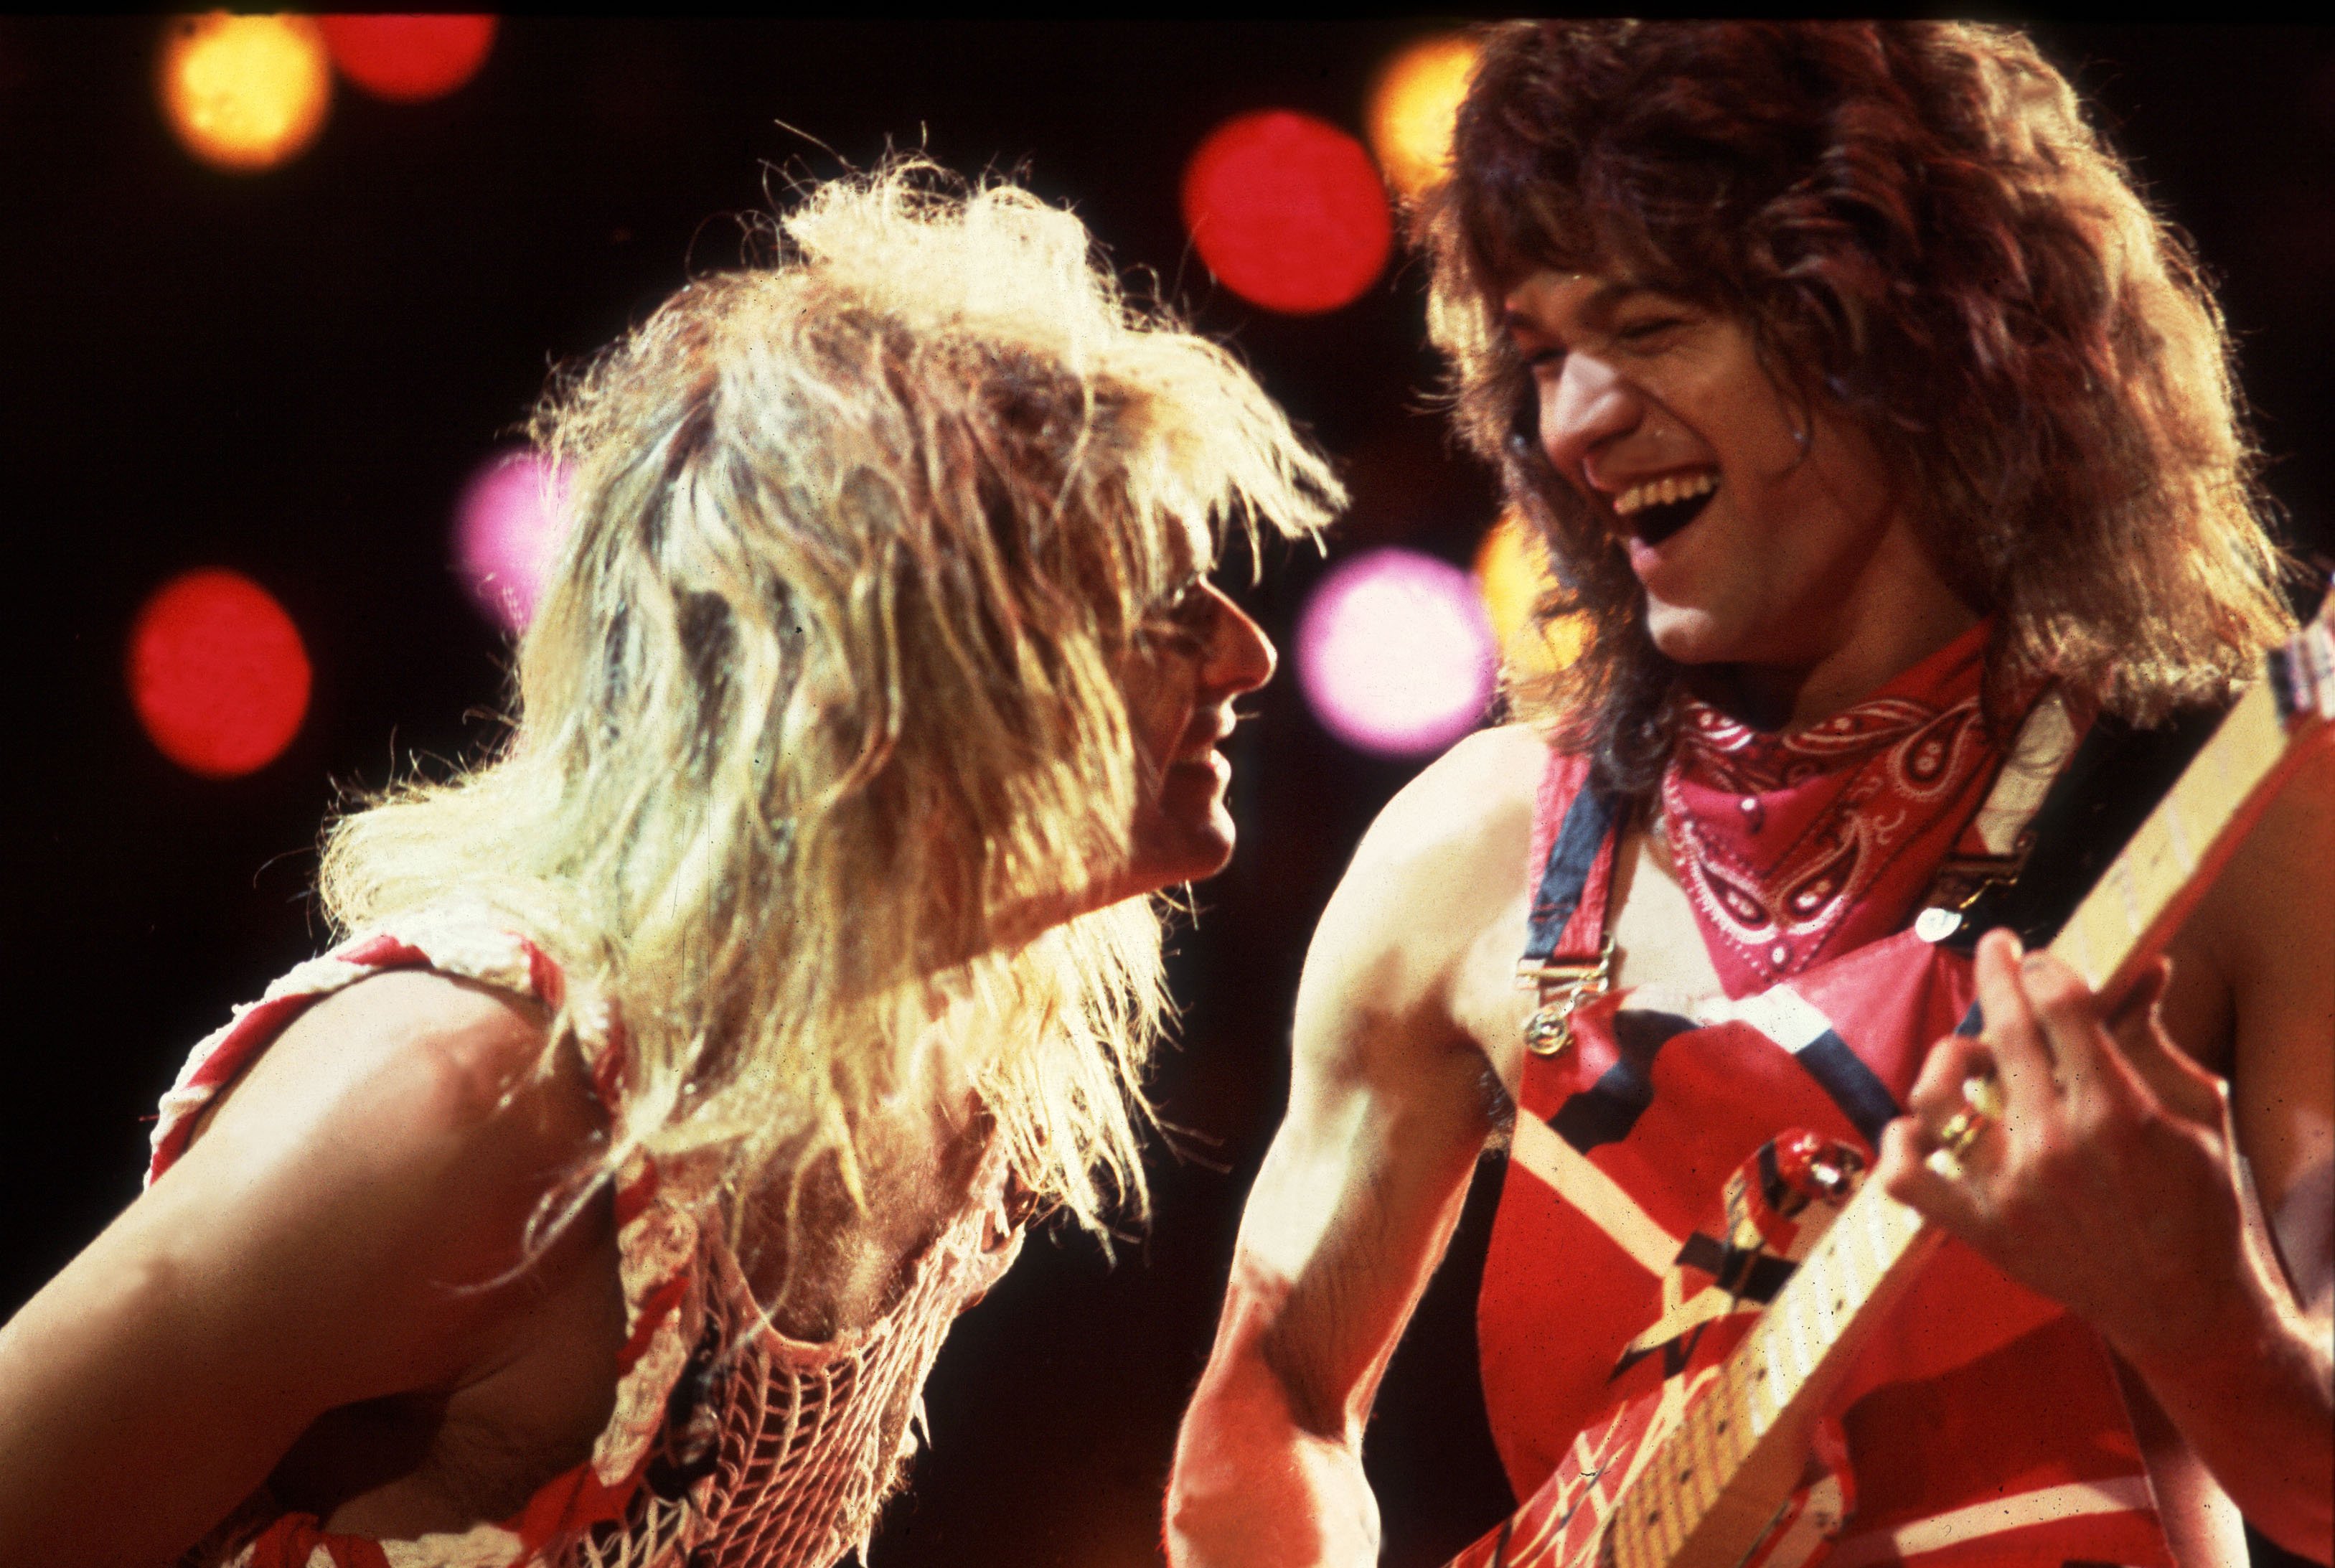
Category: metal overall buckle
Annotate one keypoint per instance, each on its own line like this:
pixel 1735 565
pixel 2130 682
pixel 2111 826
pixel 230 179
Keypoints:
pixel 1562 987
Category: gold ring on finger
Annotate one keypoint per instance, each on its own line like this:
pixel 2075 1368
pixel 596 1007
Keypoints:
pixel 1962 1131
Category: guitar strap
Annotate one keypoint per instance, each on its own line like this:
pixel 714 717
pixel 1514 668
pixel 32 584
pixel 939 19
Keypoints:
pixel 2093 807
pixel 1568 950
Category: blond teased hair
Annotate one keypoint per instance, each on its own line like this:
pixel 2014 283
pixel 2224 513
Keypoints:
pixel 824 695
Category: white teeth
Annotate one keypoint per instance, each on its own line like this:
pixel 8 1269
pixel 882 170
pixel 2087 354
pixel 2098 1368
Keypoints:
pixel 1663 491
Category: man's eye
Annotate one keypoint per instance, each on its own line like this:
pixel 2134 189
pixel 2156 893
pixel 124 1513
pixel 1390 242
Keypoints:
pixel 1641 331
pixel 1186 613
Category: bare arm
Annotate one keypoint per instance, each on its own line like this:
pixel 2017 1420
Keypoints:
pixel 2116 1185
pixel 2252 1386
pixel 298 1258
pixel 1389 1106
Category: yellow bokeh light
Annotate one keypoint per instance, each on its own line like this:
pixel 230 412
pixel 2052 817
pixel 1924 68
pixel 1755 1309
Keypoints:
pixel 1511 573
pixel 246 93
pixel 1412 107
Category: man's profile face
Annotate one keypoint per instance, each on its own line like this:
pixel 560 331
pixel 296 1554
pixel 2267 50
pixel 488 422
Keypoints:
pixel 1750 519
pixel 1195 653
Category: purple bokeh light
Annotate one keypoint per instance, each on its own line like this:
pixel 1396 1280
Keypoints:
pixel 507 528
pixel 1395 653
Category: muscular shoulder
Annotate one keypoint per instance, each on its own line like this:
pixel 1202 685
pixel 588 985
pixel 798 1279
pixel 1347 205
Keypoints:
pixel 1473 803
pixel 1446 858
pixel 352 1224
pixel 1462 824
pixel 383 1157
pixel 404 1055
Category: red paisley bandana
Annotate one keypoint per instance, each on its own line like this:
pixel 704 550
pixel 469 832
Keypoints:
pixel 1800 845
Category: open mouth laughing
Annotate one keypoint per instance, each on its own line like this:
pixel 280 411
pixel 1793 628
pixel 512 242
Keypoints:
pixel 1653 509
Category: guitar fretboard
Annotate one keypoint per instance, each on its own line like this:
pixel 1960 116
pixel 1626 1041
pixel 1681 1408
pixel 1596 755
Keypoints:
pixel 1798 1340
pixel 2137 905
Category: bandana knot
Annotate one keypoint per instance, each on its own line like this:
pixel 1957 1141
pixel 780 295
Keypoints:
pixel 1801 845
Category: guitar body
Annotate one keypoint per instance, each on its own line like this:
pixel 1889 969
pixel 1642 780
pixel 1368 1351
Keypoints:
pixel 1772 1209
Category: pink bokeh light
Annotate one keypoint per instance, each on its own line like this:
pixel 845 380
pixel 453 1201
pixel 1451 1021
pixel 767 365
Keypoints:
pixel 1395 653
pixel 507 529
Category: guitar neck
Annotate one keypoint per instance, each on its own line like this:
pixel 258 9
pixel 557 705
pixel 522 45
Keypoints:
pixel 2134 908
pixel 1706 1493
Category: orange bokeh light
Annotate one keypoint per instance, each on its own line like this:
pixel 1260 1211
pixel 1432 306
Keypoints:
pixel 1512 572
pixel 244 93
pixel 1412 106
pixel 409 58
pixel 1287 211
pixel 218 673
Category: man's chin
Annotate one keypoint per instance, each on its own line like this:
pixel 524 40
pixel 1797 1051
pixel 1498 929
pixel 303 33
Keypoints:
pixel 1685 635
pixel 1183 852
pixel 1206 860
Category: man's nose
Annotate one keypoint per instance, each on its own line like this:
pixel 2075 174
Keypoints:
pixel 1240 656
pixel 1583 409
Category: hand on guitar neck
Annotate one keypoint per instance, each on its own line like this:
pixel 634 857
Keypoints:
pixel 2108 1182
pixel 2115 1180
pixel 2113 1183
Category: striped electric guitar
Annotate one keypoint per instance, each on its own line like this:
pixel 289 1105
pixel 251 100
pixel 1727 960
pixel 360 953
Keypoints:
pixel 1722 1479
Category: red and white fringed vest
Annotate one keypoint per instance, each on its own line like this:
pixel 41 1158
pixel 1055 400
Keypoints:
pixel 731 1446
pixel 1983 1426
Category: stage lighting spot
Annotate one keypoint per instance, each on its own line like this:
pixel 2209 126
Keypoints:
pixel 1412 106
pixel 507 529
pixel 1512 571
pixel 244 93
pixel 1288 211
pixel 408 58
pixel 218 673
pixel 1394 653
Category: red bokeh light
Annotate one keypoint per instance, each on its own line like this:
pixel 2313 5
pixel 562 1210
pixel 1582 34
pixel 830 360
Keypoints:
pixel 406 58
pixel 218 673
pixel 1288 211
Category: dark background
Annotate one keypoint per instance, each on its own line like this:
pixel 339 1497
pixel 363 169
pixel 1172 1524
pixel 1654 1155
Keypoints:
pixel 292 374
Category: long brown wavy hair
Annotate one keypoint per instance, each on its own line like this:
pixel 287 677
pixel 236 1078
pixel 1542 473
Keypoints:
pixel 1918 225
